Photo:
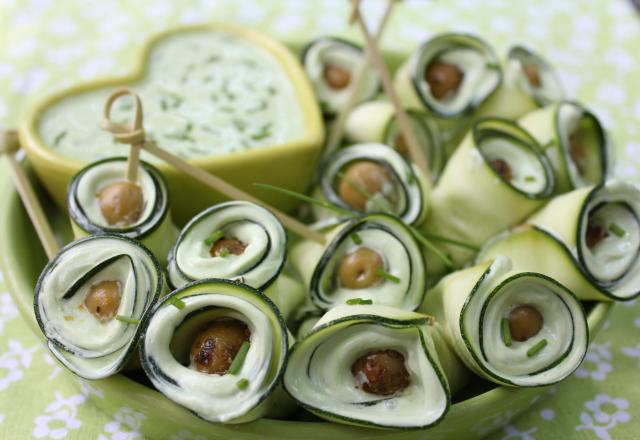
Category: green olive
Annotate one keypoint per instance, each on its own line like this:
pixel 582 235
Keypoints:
pixel 443 78
pixel 363 175
pixel 524 322
pixel 502 168
pixel 232 245
pixel 381 372
pixel 215 347
pixel 104 299
pixel 532 74
pixel 121 203
pixel 358 269
pixel 337 77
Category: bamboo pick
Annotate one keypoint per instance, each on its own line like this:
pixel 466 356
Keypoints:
pixel 417 155
pixel 135 133
pixel 128 134
pixel 337 132
pixel 9 145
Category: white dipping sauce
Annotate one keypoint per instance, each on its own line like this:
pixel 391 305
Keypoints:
pixel 204 93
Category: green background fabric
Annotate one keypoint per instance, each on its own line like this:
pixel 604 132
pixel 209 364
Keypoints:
pixel 47 45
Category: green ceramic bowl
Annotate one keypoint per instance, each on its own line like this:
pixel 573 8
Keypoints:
pixel 476 411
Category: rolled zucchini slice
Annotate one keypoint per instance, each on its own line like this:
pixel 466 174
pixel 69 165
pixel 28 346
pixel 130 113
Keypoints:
pixel 234 240
pixel 101 200
pixel 374 258
pixel 375 121
pixel 331 64
pixel 588 239
pixel 529 82
pixel 371 366
pixel 92 301
pixel 575 142
pixel 449 77
pixel 514 328
pixel 495 179
pixel 372 177
pixel 218 348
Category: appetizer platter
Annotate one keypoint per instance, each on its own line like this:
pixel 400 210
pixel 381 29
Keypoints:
pixel 217 263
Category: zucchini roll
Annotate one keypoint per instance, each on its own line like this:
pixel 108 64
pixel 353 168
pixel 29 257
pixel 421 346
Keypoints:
pixel 100 199
pixel 373 258
pixel 372 366
pixel 587 239
pixel 330 64
pixel 495 179
pixel 233 240
pixel 513 328
pixel 529 82
pixel 575 143
pixel 92 301
pixel 218 348
pixel 375 121
pixel 449 76
pixel 372 177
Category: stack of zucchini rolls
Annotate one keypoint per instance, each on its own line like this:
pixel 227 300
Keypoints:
pixel 424 284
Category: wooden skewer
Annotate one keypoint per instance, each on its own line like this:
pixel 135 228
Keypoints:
pixel 9 145
pixel 133 135
pixel 337 133
pixel 417 155
pixel 128 134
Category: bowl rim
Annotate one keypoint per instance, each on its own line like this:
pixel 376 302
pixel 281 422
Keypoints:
pixel 16 285
pixel 312 138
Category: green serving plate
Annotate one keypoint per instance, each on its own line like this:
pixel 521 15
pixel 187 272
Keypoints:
pixel 477 410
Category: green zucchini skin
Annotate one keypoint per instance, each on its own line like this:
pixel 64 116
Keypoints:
pixel 157 232
pixel 346 317
pixel 66 355
pixel 272 401
pixel 460 303
pixel 472 202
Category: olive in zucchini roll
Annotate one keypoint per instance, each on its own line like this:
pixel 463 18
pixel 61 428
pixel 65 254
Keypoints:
pixel 588 239
pixel 513 328
pixel 529 82
pixel 372 366
pixel 100 199
pixel 373 258
pixel 331 65
pixel 218 348
pixel 92 301
pixel 372 177
pixel 575 142
pixel 495 179
pixel 449 76
pixel 375 121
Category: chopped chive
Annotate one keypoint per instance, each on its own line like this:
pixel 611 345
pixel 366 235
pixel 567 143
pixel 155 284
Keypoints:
pixel 536 348
pixel 59 137
pixel 356 238
pixel 494 66
pixel 260 136
pixel 177 303
pixel 236 365
pixel 358 301
pixel 386 275
pixel 224 252
pixel 163 105
pixel 242 384
pixel 506 332
pixel 427 244
pixel 217 235
pixel 530 178
pixel 308 199
pixel 617 230
pixel 127 320
pixel 451 241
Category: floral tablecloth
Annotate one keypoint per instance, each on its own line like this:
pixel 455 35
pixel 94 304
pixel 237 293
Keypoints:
pixel 51 44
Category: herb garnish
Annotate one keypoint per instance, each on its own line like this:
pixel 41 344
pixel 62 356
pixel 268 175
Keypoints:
pixel 506 332
pixel 238 360
pixel 358 301
pixel 127 320
pixel 536 348
pixel 215 236
pixel 386 275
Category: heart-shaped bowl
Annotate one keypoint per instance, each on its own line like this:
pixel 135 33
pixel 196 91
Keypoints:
pixel 476 411
pixel 267 164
